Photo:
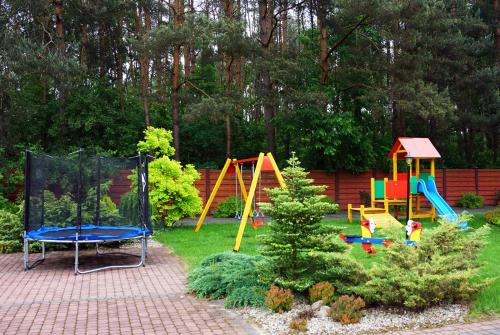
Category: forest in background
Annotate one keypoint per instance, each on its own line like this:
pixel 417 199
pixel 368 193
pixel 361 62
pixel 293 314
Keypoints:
pixel 335 81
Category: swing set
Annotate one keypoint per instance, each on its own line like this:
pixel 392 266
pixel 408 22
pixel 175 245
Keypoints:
pixel 247 207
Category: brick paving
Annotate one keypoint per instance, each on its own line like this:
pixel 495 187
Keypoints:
pixel 50 299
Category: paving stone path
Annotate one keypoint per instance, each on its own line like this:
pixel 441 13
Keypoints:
pixel 50 299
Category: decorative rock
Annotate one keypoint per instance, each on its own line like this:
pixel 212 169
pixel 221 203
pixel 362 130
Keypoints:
pixel 324 311
pixel 317 305
pixel 374 320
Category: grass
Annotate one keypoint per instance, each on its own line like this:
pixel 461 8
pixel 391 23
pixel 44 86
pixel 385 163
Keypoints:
pixel 192 247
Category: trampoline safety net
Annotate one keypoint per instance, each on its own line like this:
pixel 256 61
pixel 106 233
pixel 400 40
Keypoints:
pixel 97 198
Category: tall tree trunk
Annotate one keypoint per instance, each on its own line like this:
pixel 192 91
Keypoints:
pixel 453 9
pixel 228 62
pixel 84 48
pixel 323 50
pixel 58 9
pixel 284 26
pixel 102 49
pixel 178 19
pixel 175 100
pixel 497 30
pixel 266 10
pixel 142 29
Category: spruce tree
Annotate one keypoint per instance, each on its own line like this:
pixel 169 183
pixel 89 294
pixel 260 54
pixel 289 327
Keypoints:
pixel 301 250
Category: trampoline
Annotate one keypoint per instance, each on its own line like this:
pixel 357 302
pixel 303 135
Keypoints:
pixel 77 199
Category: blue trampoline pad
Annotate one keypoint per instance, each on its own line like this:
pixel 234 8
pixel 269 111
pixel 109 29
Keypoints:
pixel 89 232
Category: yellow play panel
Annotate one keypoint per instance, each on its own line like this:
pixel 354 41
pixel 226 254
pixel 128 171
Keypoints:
pixel 382 220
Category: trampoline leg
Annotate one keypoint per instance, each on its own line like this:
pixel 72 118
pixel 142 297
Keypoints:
pixel 25 256
pixel 76 258
pixel 143 251
pixel 97 249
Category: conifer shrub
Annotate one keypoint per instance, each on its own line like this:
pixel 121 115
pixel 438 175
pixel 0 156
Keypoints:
pixel 347 309
pixel 493 217
pixel 279 299
pixel 231 276
pixel 321 291
pixel 228 208
pixel 300 250
pixel 470 200
pixel 439 270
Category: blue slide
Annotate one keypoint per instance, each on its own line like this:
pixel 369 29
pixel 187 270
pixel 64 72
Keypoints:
pixel 431 193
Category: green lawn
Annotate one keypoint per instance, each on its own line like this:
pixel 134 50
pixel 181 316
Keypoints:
pixel 192 247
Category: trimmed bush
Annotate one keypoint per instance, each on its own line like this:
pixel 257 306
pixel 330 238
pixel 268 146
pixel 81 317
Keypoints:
pixel 231 276
pixel 333 206
pixel 172 194
pixel 278 299
pixel 442 269
pixel 228 207
pixel 298 324
pixel 493 217
pixel 8 206
pixel 470 200
pixel 347 309
pixel 11 232
pixel 321 291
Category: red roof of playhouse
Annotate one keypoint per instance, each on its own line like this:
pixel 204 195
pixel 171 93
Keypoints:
pixel 415 147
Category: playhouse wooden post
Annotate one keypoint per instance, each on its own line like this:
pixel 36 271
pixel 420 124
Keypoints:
pixel 395 166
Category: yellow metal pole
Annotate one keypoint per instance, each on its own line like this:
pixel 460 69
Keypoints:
pixel 433 173
pixel 417 174
pixel 372 192
pixel 276 170
pixel 386 200
pixel 394 166
pixel 248 203
pixel 212 195
pixel 241 182
pixel 410 202
pixel 349 213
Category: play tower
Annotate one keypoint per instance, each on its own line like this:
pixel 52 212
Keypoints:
pixel 416 153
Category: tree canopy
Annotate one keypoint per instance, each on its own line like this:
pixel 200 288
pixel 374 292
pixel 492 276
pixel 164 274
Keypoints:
pixel 336 81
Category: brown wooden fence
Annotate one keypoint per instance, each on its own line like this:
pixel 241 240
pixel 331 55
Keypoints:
pixel 345 187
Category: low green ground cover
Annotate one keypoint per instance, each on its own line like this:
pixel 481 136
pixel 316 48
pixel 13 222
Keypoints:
pixel 193 247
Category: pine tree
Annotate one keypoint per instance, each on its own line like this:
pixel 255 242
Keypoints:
pixel 301 250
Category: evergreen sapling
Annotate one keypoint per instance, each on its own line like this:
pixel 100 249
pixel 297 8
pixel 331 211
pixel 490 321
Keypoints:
pixel 300 250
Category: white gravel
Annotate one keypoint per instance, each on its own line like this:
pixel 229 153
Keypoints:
pixel 374 320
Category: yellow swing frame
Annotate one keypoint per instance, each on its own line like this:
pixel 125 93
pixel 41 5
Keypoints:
pixel 247 198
